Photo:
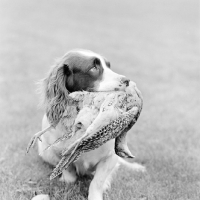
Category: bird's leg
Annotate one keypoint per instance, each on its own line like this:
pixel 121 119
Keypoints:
pixel 60 139
pixel 37 136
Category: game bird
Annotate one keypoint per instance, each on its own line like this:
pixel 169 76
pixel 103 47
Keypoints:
pixel 90 119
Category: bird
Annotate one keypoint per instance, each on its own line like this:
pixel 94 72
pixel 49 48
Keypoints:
pixel 93 140
pixel 90 119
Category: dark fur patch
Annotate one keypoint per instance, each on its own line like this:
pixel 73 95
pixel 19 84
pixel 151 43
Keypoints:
pixel 82 76
pixel 75 72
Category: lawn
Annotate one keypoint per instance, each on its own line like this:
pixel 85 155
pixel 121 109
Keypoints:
pixel 154 43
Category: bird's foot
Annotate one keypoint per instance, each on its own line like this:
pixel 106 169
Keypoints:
pixel 37 136
pixel 33 141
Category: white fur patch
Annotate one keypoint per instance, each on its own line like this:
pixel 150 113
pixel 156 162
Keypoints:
pixel 107 183
pixel 68 177
pixel 41 197
pixel 110 80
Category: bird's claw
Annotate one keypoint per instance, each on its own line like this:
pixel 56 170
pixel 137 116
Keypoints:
pixel 39 138
pixel 33 141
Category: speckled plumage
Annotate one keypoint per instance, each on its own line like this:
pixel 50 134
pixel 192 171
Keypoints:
pixel 88 143
pixel 94 118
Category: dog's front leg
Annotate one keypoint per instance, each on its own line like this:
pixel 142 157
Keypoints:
pixel 68 175
pixel 102 177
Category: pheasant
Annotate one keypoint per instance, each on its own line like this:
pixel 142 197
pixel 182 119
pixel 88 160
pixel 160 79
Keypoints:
pixel 92 118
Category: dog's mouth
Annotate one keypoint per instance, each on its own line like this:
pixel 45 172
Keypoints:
pixel 120 89
pixel 111 90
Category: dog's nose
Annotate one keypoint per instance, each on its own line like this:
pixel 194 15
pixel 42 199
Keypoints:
pixel 125 81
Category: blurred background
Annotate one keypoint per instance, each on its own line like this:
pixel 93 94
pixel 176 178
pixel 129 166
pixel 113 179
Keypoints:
pixel 155 43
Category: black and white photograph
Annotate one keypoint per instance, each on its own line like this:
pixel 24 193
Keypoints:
pixel 99 100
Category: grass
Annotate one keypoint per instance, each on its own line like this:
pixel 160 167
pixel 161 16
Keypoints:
pixel 155 43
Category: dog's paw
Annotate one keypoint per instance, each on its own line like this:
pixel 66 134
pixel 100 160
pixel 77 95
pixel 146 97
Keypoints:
pixel 41 197
pixel 68 177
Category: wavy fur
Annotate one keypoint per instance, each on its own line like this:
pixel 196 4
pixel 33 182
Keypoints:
pixel 56 95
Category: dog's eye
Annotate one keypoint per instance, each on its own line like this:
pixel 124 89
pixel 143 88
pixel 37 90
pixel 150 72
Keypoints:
pixel 94 69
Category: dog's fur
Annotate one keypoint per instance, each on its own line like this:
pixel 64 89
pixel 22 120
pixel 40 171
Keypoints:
pixel 80 70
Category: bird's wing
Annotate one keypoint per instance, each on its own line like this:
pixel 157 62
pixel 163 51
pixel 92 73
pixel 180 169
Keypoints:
pixel 108 112
pixel 111 121
pixel 106 133
pixel 113 106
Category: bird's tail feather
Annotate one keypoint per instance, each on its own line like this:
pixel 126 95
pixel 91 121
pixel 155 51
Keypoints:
pixel 65 162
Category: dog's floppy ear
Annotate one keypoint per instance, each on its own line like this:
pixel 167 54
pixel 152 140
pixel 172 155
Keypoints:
pixel 56 95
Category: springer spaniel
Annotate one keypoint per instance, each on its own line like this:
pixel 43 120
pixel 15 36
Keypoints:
pixel 80 70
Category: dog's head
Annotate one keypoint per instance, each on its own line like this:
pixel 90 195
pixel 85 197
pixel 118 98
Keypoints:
pixel 79 70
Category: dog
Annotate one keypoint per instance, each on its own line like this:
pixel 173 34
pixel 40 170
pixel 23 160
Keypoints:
pixel 82 70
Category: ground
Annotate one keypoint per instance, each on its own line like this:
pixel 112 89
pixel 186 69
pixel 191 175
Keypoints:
pixel 154 43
